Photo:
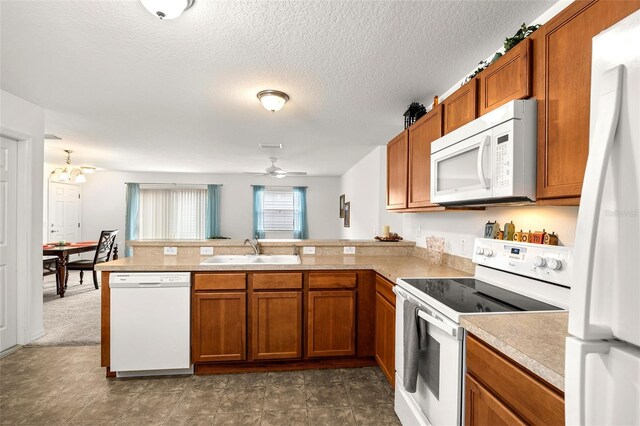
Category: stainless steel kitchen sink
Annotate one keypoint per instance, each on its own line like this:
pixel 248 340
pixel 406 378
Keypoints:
pixel 252 259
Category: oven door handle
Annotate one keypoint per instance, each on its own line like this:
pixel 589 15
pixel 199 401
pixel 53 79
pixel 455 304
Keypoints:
pixel 452 331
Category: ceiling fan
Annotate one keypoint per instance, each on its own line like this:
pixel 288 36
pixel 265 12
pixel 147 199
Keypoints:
pixel 275 171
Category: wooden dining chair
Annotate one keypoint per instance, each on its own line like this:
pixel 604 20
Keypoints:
pixel 103 253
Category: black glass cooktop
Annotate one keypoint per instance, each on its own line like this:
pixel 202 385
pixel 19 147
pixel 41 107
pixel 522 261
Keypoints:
pixel 468 295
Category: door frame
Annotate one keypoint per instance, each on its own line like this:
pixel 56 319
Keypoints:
pixel 27 268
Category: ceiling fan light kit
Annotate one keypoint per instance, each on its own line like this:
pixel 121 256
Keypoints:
pixel 167 9
pixel 69 173
pixel 273 100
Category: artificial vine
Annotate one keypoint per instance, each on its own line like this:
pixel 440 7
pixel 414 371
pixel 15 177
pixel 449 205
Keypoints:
pixel 509 43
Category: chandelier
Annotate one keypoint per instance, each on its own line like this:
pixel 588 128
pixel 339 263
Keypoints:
pixel 70 173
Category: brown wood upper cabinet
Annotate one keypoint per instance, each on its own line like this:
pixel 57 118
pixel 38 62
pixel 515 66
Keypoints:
pixel 461 106
pixel 421 134
pixel 506 79
pixel 331 323
pixel 499 391
pixel 219 327
pixel 397 158
pixel 564 72
pixel 385 327
pixel 276 325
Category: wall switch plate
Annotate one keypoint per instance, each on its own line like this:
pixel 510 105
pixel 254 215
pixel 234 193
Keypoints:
pixel 419 232
pixel 171 251
pixel 349 250
pixel 309 250
pixel 463 243
pixel 206 251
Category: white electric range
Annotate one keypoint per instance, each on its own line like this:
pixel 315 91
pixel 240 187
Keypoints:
pixel 511 277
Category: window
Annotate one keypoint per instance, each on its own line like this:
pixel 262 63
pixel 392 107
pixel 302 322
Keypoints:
pixel 278 209
pixel 172 213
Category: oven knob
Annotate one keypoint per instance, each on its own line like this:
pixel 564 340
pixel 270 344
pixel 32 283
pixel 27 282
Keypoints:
pixel 539 262
pixel 479 250
pixel 488 252
pixel 554 264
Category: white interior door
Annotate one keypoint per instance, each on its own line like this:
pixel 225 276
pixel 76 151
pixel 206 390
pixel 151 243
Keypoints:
pixel 64 212
pixel 8 244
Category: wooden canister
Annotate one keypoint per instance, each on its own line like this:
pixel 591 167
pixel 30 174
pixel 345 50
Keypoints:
pixel 509 231
pixel 551 239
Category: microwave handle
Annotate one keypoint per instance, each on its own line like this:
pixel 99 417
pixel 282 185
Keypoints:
pixel 483 179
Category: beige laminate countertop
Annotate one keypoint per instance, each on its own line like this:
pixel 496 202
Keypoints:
pixel 534 340
pixel 391 267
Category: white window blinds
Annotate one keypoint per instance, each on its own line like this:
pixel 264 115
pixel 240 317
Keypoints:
pixel 174 213
pixel 278 209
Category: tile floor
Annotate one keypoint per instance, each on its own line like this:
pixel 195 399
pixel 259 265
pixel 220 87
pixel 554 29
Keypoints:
pixel 65 385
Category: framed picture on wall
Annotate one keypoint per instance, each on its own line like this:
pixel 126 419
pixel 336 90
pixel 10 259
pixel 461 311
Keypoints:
pixel 347 214
pixel 342 206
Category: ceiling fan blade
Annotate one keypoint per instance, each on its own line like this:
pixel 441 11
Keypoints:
pixel 255 173
pixel 296 173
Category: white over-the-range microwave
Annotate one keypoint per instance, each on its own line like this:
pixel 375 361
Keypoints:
pixel 489 160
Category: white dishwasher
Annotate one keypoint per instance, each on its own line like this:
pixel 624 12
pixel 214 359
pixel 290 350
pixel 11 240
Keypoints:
pixel 150 323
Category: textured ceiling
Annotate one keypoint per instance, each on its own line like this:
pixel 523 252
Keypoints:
pixel 127 91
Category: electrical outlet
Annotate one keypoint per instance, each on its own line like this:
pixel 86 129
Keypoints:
pixel 463 245
pixel 309 250
pixel 171 251
pixel 419 232
pixel 349 250
pixel 206 251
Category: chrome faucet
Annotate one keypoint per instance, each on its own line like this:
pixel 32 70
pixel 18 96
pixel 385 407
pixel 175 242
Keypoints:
pixel 255 246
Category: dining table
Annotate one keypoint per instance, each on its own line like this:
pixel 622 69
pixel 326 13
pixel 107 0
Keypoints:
pixel 63 251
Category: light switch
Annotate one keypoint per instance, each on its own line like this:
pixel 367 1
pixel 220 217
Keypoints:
pixel 171 251
pixel 309 250
pixel 349 250
pixel 206 251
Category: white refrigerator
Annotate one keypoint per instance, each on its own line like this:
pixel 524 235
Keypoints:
pixel 602 372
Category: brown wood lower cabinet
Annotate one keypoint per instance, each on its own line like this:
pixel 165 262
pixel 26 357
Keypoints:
pixel 484 408
pixel 385 328
pixel 331 323
pixel 219 327
pixel 499 391
pixel 276 325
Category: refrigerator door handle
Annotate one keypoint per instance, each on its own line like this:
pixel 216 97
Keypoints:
pixel 601 141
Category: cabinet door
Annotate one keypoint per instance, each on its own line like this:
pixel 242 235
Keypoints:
pixel 219 327
pixel 331 323
pixel 461 106
pixel 483 408
pixel 564 100
pixel 506 79
pixel 421 134
pixel 385 336
pixel 397 158
pixel 276 325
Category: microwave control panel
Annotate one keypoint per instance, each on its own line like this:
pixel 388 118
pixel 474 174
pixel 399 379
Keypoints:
pixel 503 160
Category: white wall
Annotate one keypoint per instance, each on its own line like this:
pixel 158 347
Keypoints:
pixel 364 186
pixel 104 206
pixel 24 122
pixel 455 226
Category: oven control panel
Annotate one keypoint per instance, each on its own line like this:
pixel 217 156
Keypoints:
pixel 543 262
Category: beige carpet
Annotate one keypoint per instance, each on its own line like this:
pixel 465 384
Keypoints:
pixel 74 319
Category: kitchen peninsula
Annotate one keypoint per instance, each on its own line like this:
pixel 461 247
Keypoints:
pixel 316 299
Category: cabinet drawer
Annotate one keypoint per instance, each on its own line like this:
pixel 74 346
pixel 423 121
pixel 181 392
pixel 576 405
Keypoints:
pixel 220 282
pixel 277 281
pixel 384 287
pixel 529 397
pixel 332 280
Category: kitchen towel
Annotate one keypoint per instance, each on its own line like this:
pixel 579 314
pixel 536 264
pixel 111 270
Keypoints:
pixel 411 339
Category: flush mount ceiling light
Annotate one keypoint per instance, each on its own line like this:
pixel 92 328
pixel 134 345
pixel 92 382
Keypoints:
pixel 69 173
pixel 167 9
pixel 273 100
